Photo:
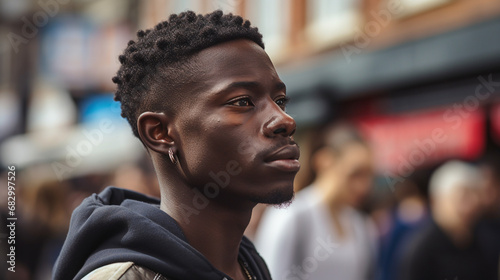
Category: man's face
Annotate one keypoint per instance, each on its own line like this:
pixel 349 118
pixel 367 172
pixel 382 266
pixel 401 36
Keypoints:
pixel 233 129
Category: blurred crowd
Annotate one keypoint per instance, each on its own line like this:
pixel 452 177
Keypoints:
pixel 442 220
pixel 43 212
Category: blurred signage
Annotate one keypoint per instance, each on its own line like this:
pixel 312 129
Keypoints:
pixel 106 45
pixel 98 107
pixel 66 56
pixel 78 54
pixel 404 143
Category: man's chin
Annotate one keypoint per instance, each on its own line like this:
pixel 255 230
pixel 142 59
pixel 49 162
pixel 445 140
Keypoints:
pixel 280 198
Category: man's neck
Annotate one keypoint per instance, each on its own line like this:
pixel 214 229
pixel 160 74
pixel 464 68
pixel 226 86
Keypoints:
pixel 214 230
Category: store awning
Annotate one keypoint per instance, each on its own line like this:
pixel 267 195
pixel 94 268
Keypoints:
pixel 466 51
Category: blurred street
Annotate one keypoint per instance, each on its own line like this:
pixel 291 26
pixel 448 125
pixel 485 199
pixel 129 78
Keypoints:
pixel 397 102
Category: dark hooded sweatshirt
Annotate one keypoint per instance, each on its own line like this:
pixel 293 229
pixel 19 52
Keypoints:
pixel 124 226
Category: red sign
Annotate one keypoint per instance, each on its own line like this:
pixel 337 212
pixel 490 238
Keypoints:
pixel 403 143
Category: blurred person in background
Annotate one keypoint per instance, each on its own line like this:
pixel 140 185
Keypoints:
pixel 447 248
pixel 400 221
pixel 490 197
pixel 489 225
pixel 25 263
pixel 204 98
pixel 45 225
pixel 139 177
pixel 43 209
pixel 322 235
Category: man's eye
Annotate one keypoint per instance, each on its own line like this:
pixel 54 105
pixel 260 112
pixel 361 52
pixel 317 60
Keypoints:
pixel 242 102
pixel 282 102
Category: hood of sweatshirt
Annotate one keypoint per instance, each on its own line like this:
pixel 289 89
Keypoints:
pixel 119 225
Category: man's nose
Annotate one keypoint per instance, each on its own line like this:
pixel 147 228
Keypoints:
pixel 279 123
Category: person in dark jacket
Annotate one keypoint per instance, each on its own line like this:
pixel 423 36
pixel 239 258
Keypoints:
pixel 448 246
pixel 204 98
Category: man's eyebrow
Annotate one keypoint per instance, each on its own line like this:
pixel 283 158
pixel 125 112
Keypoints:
pixel 252 85
pixel 243 84
pixel 280 86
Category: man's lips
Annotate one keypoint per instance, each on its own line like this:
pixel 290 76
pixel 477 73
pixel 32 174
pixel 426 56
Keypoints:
pixel 285 158
pixel 286 152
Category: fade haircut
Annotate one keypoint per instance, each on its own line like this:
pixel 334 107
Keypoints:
pixel 155 68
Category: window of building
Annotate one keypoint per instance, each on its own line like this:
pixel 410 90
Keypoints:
pixel 227 6
pixel 412 7
pixel 331 22
pixel 273 20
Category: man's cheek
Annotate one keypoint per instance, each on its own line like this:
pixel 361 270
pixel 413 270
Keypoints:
pixel 247 147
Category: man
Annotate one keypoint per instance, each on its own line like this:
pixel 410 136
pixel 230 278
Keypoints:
pixel 205 100
pixel 448 248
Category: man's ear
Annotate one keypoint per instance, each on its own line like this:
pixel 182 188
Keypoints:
pixel 154 131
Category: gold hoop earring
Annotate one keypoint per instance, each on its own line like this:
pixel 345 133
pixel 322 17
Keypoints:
pixel 172 156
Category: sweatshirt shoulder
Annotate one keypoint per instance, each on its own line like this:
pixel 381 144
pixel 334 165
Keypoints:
pixel 123 271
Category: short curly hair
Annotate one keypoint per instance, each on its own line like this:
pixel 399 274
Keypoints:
pixel 155 68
